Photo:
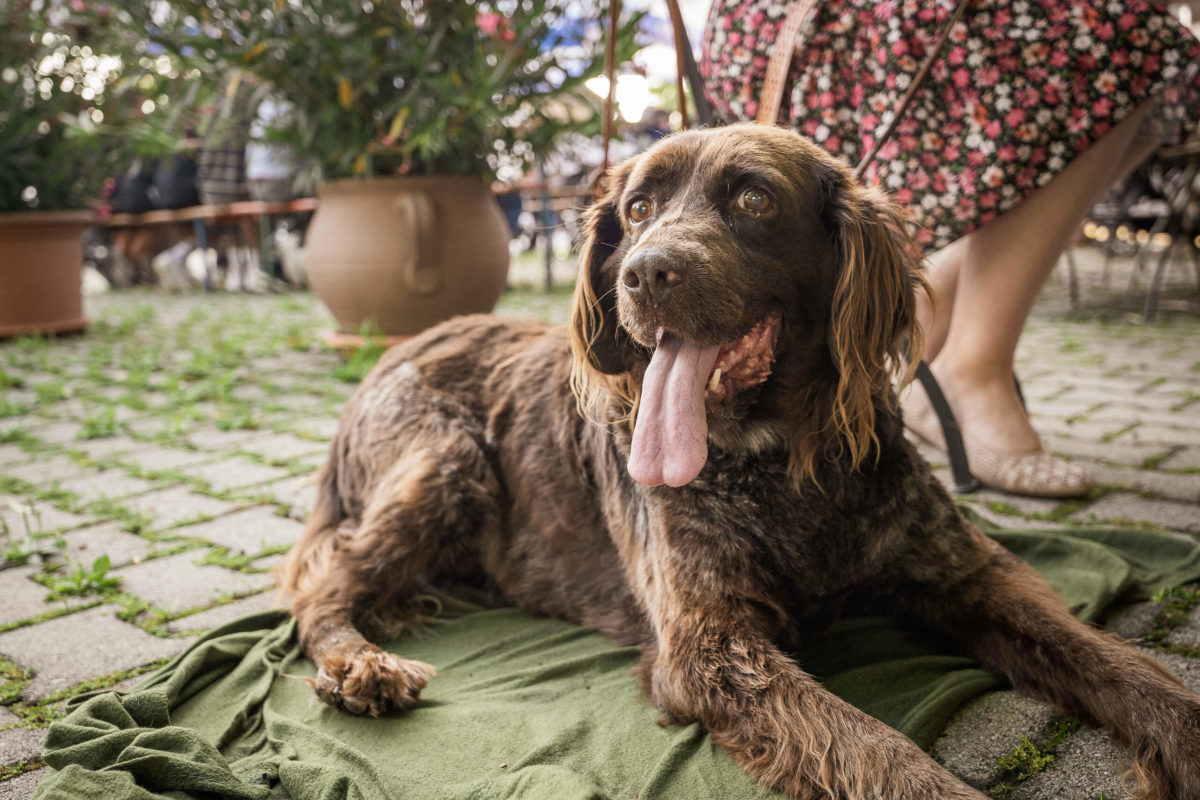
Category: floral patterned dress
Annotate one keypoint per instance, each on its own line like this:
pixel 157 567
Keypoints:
pixel 1020 89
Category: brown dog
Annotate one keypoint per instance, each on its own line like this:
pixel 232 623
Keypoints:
pixel 742 299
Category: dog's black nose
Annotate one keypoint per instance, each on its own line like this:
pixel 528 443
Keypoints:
pixel 651 275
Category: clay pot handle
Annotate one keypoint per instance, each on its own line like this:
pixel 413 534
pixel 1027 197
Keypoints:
pixel 421 268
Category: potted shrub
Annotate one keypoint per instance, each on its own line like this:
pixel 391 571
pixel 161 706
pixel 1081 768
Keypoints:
pixel 62 86
pixel 402 112
pixel 46 178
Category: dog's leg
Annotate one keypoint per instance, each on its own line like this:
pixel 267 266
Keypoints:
pixel 429 506
pixel 1016 626
pixel 715 663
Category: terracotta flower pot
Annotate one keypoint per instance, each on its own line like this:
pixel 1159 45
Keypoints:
pixel 407 253
pixel 41 272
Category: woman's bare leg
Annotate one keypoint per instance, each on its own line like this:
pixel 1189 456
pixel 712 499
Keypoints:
pixel 985 285
pixel 944 266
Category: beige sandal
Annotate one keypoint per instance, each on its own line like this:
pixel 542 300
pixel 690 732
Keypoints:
pixel 1037 474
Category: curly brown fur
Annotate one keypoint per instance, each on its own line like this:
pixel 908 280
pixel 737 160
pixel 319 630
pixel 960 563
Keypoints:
pixel 496 451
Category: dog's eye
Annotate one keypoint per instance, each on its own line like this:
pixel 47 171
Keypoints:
pixel 756 201
pixel 640 210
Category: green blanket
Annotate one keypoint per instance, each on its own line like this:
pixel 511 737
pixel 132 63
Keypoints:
pixel 522 707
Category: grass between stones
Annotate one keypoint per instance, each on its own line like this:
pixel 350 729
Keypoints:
pixel 1028 758
pixel 20 768
pixel 1176 607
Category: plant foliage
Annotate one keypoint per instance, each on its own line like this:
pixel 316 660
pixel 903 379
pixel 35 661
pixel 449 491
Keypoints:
pixel 403 86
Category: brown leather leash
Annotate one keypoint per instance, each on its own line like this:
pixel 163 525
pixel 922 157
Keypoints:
pixel 788 40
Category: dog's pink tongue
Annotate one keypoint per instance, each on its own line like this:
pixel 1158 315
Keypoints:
pixel 670 438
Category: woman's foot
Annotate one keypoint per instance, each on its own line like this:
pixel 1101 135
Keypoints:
pixel 1003 450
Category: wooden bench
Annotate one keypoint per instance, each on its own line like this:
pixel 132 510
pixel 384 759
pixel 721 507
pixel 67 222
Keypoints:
pixel 202 216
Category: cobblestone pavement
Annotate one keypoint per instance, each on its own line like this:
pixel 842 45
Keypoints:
pixel 153 471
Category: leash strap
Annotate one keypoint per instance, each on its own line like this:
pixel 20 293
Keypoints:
pixel 788 40
pixel 610 71
pixel 681 43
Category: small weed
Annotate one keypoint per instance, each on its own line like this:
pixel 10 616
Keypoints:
pixel 1028 758
pixel 1177 605
pixel 100 425
pixel 8 381
pixel 236 417
pixel 362 360
pixel 12 678
pixel 11 408
pixel 20 768
pixel 131 521
pixel 80 581
pixel 31 344
pixel 1070 344
pixel 31 517
pixel 1159 381
pixel 1025 761
pixel 1152 462
pixel 18 553
pixel 15 436
pixel 51 392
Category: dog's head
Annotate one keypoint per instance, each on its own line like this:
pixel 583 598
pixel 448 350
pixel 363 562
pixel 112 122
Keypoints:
pixel 738 284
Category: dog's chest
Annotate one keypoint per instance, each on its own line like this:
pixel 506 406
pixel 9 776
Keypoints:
pixel 747 517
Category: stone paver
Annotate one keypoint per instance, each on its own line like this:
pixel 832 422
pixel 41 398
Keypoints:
pixel 22 786
pixel 298 494
pixel 112 484
pixel 1162 484
pixel 20 744
pixel 1184 458
pixel 1188 634
pixel 99 449
pixel 209 439
pixel 1125 507
pixel 87 544
pixel 177 583
pixel 986 730
pixel 169 507
pixel 234 473
pixel 45 470
pixel 25 598
pixel 1087 766
pixel 219 615
pixel 250 531
pixel 282 446
pixel 163 459
pixel 1133 621
pixel 57 432
pixel 36 518
pixel 99 644
pixel 11 456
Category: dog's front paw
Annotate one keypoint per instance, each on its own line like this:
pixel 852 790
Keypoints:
pixel 366 680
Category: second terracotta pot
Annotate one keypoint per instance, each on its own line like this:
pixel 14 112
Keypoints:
pixel 41 272
pixel 407 253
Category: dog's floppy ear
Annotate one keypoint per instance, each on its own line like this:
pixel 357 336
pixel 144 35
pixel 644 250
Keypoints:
pixel 874 306
pixel 596 338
